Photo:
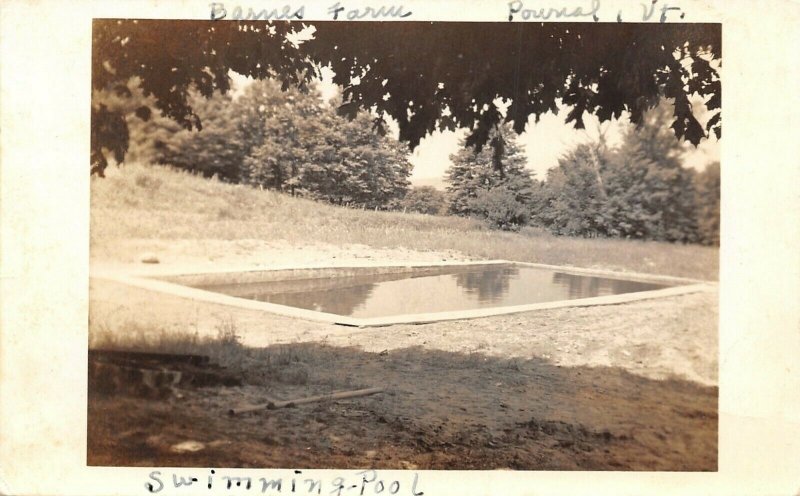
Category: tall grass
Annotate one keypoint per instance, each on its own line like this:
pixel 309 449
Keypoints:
pixel 158 203
pixel 287 363
pixel 129 335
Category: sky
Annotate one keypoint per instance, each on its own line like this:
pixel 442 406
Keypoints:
pixel 544 142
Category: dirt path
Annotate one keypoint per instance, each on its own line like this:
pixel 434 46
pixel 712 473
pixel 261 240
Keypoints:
pixel 623 387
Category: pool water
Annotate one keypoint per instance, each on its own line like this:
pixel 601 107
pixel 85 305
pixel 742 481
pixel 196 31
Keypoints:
pixel 449 289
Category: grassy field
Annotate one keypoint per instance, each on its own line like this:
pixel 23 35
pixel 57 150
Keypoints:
pixel 156 203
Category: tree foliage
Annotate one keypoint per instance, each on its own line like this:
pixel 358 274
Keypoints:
pixel 498 189
pixel 653 193
pixel 708 189
pixel 424 200
pixel 288 128
pixel 307 149
pixel 603 69
pixel 501 208
pixel 639 190
pixel 572 202
pixel 288 141
pixel 219 149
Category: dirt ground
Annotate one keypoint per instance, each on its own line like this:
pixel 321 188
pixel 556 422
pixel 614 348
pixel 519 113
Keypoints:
pixel 618 387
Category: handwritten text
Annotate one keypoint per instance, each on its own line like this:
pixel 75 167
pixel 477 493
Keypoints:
pixel 239 13
pixel 381 12
pixel 542 14
pixel 522 11
pixel 364 482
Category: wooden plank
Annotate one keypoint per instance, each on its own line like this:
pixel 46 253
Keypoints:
pixel 274 404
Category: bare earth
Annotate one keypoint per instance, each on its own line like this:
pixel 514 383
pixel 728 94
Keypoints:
pixel 618 387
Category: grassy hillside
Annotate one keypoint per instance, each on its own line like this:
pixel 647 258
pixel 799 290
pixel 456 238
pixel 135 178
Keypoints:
pixel 156 203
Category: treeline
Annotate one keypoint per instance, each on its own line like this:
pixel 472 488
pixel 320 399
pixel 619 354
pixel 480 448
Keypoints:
pixel 294 142
pixel 638 190
pixel 284 140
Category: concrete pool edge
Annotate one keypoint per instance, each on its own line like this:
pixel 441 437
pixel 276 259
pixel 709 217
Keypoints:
pixel 309 272
pixel 156 282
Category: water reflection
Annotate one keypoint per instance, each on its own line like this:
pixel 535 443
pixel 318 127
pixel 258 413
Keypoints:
pixel 337 295
pixel 489 284
pixel 581 286
pixel 432 290
pixel 339 301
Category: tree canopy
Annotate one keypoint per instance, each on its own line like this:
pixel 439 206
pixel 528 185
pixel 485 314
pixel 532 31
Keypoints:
pixel 708 204
pixel 425 75
pixel 285 140
pixel 496 188
pixel 639 189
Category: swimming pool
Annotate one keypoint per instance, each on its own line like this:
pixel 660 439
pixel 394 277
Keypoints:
pixel 373 295
pixel 445 289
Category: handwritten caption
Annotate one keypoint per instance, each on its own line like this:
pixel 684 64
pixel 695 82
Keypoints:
pixel 363 482
pixel 515 10
pixel 336 12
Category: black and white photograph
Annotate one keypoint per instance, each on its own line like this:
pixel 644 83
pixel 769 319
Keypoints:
pixel 406 245
pixel 362 248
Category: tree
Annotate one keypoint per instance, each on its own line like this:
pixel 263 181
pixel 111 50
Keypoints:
pixel 640 190
pixel 129 100
pixel 291 141
pixel 219 149
pixel 424 200
pixel 307 149
pixel 365 169
pixel 501 208
pixel 287 127
pixel 497 188
pixel 573 200
pixel 604 69
pixel 149 139
pixel 708 189
pixel 653 194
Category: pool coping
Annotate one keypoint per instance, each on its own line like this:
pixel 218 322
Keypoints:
pixel 145 279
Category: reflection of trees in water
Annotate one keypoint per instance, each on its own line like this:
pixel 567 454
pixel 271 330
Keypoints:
pixel 340 295
pixel 488 284
pixel 588 286
pixel 339 301
pixel 578 286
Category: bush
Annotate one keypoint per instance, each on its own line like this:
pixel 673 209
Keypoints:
pixel 500 208
pixel 424 200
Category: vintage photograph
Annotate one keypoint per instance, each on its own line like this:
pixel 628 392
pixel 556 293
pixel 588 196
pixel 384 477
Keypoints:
pixel 404 245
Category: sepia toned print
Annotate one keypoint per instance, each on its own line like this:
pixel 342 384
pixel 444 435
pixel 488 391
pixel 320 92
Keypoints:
pixel 404 245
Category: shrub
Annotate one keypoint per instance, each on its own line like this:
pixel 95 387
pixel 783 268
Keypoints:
pixel 500 208
pixel 424 200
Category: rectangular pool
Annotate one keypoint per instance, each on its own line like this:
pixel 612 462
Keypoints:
pixel 426 291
